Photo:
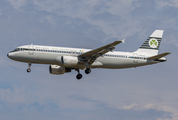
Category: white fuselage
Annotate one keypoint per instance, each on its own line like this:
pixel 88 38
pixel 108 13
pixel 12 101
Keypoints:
pixel 62 59
pixel 52 55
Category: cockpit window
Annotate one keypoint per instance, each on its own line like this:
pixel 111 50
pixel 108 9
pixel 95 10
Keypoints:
pixel 17 49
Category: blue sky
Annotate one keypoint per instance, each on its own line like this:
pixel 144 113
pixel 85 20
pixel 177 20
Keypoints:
pixel 144 93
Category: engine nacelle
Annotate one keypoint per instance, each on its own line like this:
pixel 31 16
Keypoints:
pixel 69 60
pixel 57 70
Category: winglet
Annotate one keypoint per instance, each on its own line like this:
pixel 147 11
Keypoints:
pixel 123 41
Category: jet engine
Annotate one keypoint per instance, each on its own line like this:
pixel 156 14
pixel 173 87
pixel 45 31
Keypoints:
pixel 69 61
pixel 57 70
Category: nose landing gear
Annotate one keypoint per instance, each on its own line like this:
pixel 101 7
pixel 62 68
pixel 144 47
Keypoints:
pixel 28 70
pixel 29 66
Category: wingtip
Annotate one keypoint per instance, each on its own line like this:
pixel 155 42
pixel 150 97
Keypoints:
pixel 123 41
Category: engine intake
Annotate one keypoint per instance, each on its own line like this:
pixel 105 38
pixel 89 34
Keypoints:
pixel 57 70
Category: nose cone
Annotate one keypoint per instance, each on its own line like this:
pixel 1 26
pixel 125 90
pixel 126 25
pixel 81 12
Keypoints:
pixel 8 55
pixel 13 56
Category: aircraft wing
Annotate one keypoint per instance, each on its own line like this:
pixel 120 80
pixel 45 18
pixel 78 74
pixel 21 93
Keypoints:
pixel 92 55
pixel 158 56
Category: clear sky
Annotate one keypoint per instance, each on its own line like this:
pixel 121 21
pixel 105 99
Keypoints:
pixel 144 93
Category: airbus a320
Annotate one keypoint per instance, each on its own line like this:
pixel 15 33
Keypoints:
pixel 63 59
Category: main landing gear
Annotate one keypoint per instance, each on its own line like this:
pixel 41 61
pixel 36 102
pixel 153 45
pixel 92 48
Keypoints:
pixel 88 70
pixel 79 76
pixel 29 66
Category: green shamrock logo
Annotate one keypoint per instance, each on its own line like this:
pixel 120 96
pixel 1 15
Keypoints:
pixel 153 43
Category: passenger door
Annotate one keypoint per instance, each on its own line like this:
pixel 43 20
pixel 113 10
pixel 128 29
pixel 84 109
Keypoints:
pixel 135 58
pixel 31 50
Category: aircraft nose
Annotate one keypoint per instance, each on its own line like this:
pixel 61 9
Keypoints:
pixel 8 55
pixel 12 56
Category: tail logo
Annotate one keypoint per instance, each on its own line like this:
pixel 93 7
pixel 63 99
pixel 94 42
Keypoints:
pixel 153 43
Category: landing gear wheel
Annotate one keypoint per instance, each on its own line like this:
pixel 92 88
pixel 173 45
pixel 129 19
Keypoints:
pixel 79 76
pixel 29 66
pixel 88 70
pixel 28 70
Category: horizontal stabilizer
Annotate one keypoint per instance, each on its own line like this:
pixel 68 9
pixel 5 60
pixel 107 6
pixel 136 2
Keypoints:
pixel 158 56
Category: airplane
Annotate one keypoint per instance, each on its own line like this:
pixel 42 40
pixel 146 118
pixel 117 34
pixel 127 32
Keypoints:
pixel 63 59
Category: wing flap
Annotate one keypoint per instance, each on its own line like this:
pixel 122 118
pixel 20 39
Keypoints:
pixel 158 56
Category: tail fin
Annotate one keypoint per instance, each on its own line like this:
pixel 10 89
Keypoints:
pixel 152 44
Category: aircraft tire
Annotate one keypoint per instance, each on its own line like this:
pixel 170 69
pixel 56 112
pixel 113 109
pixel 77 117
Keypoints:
pixel 88 70
pixel 79 76
pixel 28 70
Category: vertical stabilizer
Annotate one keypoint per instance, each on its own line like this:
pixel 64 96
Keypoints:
pixel 152 44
